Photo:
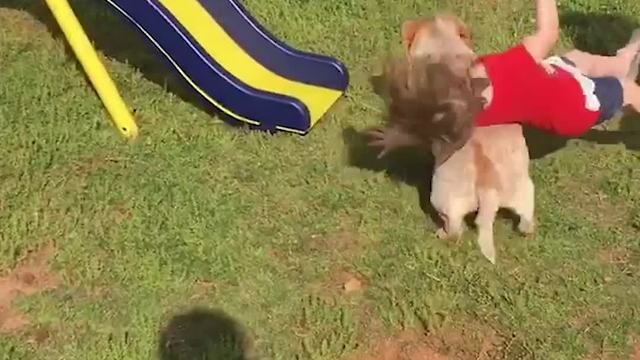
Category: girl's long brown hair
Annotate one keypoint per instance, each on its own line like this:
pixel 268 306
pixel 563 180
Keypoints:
pixel 427 100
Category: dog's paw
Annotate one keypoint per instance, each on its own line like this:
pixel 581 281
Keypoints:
pixel 489 254
pixel 487 248
pixel 526 227
pixel 442 234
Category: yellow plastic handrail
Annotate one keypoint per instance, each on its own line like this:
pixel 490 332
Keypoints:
pixel 93 67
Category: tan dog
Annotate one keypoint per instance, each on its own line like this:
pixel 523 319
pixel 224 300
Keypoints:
pixel 490 170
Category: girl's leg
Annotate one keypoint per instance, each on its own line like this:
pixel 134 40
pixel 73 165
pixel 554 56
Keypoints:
pixel 599 66
pixel 624 65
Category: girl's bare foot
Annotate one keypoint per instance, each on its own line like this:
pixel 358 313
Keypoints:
pixel 633 45
pixel 634 67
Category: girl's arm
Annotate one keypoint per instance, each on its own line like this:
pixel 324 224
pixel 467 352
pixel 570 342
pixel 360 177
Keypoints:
pixel 547 30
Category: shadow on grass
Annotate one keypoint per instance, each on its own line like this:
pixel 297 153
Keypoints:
pixel 598 33
pixel 542 144
pixel 408 166
pixel 118 39
pixel 203 334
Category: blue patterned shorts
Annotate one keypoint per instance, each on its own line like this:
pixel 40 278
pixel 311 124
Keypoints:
pixel 609 92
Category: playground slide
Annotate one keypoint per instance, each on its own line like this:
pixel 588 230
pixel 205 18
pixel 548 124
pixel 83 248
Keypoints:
pixel 238 66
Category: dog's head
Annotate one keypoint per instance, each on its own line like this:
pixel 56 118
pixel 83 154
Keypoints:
pixel 432 94
pixel 431 35
pixel 443 38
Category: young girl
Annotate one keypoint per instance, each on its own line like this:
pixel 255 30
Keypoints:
pixel 565 95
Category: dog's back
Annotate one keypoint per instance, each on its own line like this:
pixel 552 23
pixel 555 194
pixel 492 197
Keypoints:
pixel 491 171
pixel 501 159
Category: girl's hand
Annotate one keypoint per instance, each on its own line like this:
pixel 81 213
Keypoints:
pixel 550 69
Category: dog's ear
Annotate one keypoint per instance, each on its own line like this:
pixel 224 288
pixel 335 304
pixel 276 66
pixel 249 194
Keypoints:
pixel 444 147
pixel 410 29
pixel 463 29
pixel 442 150
pixel 382 81
pixel 453 136
pixel 464 32
pixel 397 75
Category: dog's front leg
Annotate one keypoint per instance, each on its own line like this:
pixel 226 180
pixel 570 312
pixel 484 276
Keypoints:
pixel 452 225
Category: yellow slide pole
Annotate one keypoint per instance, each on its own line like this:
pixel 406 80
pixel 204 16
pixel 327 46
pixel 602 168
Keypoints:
pixel 94 69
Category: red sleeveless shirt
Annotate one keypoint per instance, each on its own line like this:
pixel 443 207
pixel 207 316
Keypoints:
pixel 523 92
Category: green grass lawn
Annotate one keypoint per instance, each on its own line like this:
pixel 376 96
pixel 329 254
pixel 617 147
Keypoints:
pixel 261 232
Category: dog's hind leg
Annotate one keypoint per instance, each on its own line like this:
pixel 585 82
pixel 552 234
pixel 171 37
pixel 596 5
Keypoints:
pixel 523 204
pixel 488 205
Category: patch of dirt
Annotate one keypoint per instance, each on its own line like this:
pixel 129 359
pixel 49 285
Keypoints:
pixel 469 340
pixel 614 255
pixel 585 318
pixel 404 348
pixel 352 285
pixel 277 255
pixel 605 354
pixel 408 345
pixel 340 282
pixel 344 242
pixel 347 281
pixel 619 257
pixel 203 289
pixel 596 206
pixel 634 347
pixel 460 341
pixel 448 345
pixel 28 278
pixel 38 336
pixel 121 214
pixel 85 167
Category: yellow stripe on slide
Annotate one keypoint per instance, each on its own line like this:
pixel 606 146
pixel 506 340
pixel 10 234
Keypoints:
pixel 223 49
